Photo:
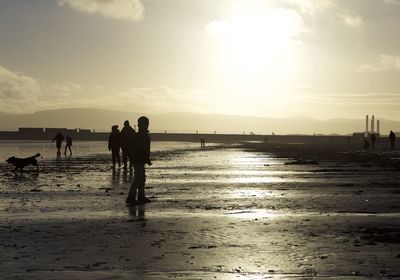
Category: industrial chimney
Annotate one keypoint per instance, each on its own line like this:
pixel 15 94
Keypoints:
pixel 366 124
pixel 373 124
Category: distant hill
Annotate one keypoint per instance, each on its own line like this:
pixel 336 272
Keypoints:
pixel 102 120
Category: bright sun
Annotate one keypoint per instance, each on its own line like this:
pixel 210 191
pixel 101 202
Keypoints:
pixel 257 46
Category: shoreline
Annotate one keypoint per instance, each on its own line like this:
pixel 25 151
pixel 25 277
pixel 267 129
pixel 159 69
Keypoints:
pixel 217 213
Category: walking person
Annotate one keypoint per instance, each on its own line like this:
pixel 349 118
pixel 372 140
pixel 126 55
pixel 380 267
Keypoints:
pixel 59 138
pixel 127 138
pixel 392 138
pixel 68 145
pixel 114 145
pixel 373 140
pixel 141 156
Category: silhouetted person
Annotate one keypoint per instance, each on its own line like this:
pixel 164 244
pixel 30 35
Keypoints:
pixel 202 143
pixel 141 156
pixel 114 145
pixel 366 144
pixel 392 138
pixel 373 140
pixel 68 145
pixel 59 138
pixel 127 138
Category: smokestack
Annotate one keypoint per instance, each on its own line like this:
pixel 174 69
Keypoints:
pixel 378 126
pixel 366 123
pixel 373 124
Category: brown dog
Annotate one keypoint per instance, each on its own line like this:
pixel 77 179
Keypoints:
pixel 20 163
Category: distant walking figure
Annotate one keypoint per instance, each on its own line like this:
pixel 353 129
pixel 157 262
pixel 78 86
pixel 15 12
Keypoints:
pixel 392 138
pixel 202 143
pixel 373 140
pixel 141 156
pixel 114 145
pixel 127 137
pixel 68 145
pixel 366 144
pixel 59 138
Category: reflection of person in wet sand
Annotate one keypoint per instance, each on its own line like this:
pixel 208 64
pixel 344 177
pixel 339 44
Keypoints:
pixel 114 145
pixel 59 138
pixel 68 145
pixel 141 156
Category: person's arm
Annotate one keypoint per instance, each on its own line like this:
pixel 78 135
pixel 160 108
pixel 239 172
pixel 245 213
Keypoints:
pixel 109 142
pixel 148 150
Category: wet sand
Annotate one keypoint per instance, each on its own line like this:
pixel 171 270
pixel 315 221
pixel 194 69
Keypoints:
pixel 220 213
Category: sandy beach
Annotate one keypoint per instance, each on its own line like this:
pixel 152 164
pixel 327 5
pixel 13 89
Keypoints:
pixel 225 212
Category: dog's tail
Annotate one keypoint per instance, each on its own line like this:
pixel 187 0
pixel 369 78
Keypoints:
pixel 37 155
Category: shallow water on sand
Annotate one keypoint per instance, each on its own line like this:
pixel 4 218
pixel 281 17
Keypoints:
pixel 217 213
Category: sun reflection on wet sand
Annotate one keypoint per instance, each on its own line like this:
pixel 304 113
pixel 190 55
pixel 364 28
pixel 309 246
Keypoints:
pixel 254 214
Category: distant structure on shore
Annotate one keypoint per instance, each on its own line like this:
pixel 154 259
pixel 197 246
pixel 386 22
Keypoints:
pixel 372 131
pixel 46 134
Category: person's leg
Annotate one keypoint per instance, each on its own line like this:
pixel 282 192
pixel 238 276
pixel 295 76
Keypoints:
pixel 130 157
pixel 70 151
pixel 134 186
pixel 124 157
pixel 113 156
pixel 141 185
pixel 117 154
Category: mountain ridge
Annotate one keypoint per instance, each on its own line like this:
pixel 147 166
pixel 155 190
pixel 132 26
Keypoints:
pixel 103 119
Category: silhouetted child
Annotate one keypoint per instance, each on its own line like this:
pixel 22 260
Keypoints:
pixel 141 156
pixel 127 137
pixel 59 138
pixel 114 145
pixel 392 138
pixel 68 145
pixel 373 140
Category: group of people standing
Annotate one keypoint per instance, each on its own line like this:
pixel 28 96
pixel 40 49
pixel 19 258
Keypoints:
pixel 135 147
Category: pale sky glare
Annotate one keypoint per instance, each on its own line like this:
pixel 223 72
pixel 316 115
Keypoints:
pixel 275 58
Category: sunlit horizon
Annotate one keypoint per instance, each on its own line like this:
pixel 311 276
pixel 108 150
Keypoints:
pixel 279 59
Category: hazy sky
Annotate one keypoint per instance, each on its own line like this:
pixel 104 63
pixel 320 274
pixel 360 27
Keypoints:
pixel 277 58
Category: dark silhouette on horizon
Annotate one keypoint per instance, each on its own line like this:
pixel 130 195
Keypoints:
pixel 366 144
pixel 202 143
pixel 114 145
pixel 59 138
pixel 68 145
pixel 392 138
pixel 127 136
pixel 141 156
pixel 373 140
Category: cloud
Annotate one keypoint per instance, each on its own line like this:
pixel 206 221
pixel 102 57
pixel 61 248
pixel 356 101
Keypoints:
pixel 17 86
pixel 155 99
pixel 312 6
pixel 20 93
pixel 392 2
pixel 384 62
pixel 352 21
pixel 118 9
pixel 17 91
